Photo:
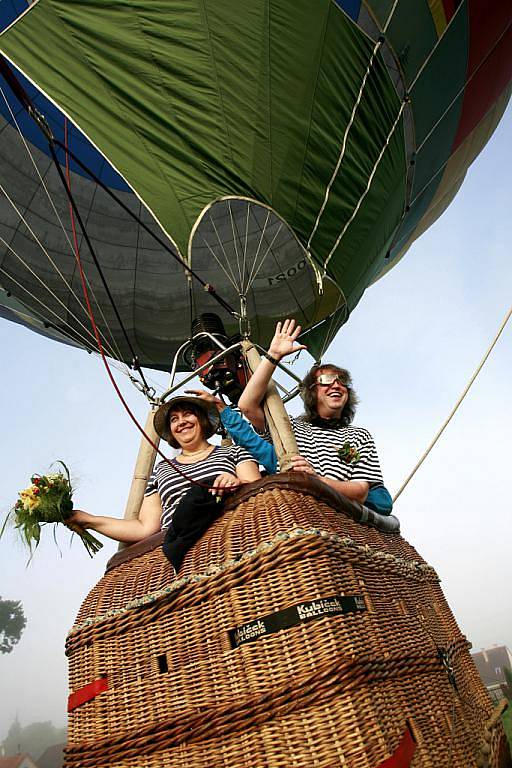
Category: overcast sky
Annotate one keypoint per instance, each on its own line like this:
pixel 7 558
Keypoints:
pixel 411 344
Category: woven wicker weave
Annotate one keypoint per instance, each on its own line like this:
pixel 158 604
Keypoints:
pixel 334 690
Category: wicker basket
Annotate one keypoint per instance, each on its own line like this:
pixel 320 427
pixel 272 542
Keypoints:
pixel 292 636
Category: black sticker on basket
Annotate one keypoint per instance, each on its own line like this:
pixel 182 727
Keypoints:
pixel 334 605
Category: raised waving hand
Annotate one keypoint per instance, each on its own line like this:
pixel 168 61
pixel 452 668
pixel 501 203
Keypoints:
pixel 285 340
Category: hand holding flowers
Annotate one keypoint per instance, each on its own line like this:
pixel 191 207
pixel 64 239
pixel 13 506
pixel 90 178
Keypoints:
pixel 47 500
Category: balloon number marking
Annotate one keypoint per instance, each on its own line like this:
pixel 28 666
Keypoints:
pixel 290 272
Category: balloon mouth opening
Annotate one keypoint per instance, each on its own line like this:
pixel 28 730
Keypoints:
pixel 251 244
pixel 258 264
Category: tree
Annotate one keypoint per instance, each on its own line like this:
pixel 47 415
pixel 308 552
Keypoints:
pixel 507 686
pixel 12 624
pixel 13 739
pixel 34 738
pixel 507 716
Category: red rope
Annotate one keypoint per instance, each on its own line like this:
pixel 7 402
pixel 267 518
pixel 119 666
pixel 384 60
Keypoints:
pixel 96 332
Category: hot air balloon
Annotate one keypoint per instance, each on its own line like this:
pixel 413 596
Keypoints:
pixel 288 170
pixel 290 153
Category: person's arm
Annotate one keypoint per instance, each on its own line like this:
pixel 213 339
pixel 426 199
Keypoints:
pixel 248 472
pixel 284 343
pixel 241 432
pixel 127 531
pixel 357 490
pixel 245 436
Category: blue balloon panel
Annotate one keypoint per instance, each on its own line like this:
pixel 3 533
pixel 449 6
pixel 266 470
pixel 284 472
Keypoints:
pixel 77 141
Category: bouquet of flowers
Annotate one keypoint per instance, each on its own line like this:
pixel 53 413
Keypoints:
pixel 47 500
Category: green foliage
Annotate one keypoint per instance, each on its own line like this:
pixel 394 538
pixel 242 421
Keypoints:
pixel 507 724
pixel 33 739
pixel 12 624
pixel 47 500
pixel 507 686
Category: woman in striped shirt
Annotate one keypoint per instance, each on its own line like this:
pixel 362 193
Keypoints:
pixel 186 423
pixel 330 447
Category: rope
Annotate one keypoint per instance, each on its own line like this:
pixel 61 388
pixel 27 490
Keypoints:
pixel 375 51
pixel 104 359
pixel 248 276
pixel 232 279
pixel 64 231
pixel 224 253
pixel 236 237
pixel 331 331
pixel 344 143
pixel 72 333
pixel 457 404
pixel 257 269
pixel 75 211
pixel 44 285
pixel 368 185
pixel 73 228
pixel 68 176
pixel 251 274
pixel 52 142
pixel 434 49
pixel 244 266
pixel 207 286
pixel 463 88
pixel 114 383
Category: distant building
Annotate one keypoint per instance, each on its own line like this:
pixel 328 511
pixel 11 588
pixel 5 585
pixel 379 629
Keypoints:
pixel 17 761
pixel 491 665
pixel 52 758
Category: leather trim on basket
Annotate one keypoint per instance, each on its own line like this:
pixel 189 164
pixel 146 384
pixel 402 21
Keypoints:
pixel 308 484
pixel 135 550
pixel 87 693
pixel 302 482
pixel 288 481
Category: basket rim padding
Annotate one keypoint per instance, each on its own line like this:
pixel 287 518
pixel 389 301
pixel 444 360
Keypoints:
pixel 288 481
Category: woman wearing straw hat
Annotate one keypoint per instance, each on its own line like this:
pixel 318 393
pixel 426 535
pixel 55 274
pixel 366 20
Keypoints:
pixel 186 423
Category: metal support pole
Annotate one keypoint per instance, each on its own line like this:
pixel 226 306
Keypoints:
pixel 143 469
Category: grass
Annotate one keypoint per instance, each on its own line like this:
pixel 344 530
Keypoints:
pixel 507 723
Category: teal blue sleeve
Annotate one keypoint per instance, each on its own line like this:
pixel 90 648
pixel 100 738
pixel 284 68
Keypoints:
pixel 244 435
pixel 379 499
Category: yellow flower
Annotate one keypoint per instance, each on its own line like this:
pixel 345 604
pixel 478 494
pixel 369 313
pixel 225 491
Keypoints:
pixel 28 499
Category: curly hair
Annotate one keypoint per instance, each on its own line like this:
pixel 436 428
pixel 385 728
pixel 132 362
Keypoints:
pixel 309 393
pixel 204 422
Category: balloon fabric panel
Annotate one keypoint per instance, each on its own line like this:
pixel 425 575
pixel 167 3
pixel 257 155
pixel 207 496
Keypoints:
pixel 284 109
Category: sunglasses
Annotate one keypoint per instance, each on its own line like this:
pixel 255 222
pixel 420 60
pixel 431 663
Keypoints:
pixel 326 379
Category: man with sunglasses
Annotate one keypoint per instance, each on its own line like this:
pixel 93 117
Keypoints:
pixel 341 455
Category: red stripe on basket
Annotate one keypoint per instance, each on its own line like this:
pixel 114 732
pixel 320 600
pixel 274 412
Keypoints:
pixel 403 753
pixel 87 693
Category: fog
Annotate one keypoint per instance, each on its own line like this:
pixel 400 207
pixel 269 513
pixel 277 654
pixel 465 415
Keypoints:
pixel 412 344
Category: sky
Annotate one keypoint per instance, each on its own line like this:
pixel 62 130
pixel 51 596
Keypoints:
pixel 411 345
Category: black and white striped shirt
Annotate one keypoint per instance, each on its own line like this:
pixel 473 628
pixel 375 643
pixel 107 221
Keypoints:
pixel 320 445
pixel 171 486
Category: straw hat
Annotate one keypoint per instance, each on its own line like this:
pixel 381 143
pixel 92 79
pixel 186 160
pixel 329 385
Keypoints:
pixel 161 417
